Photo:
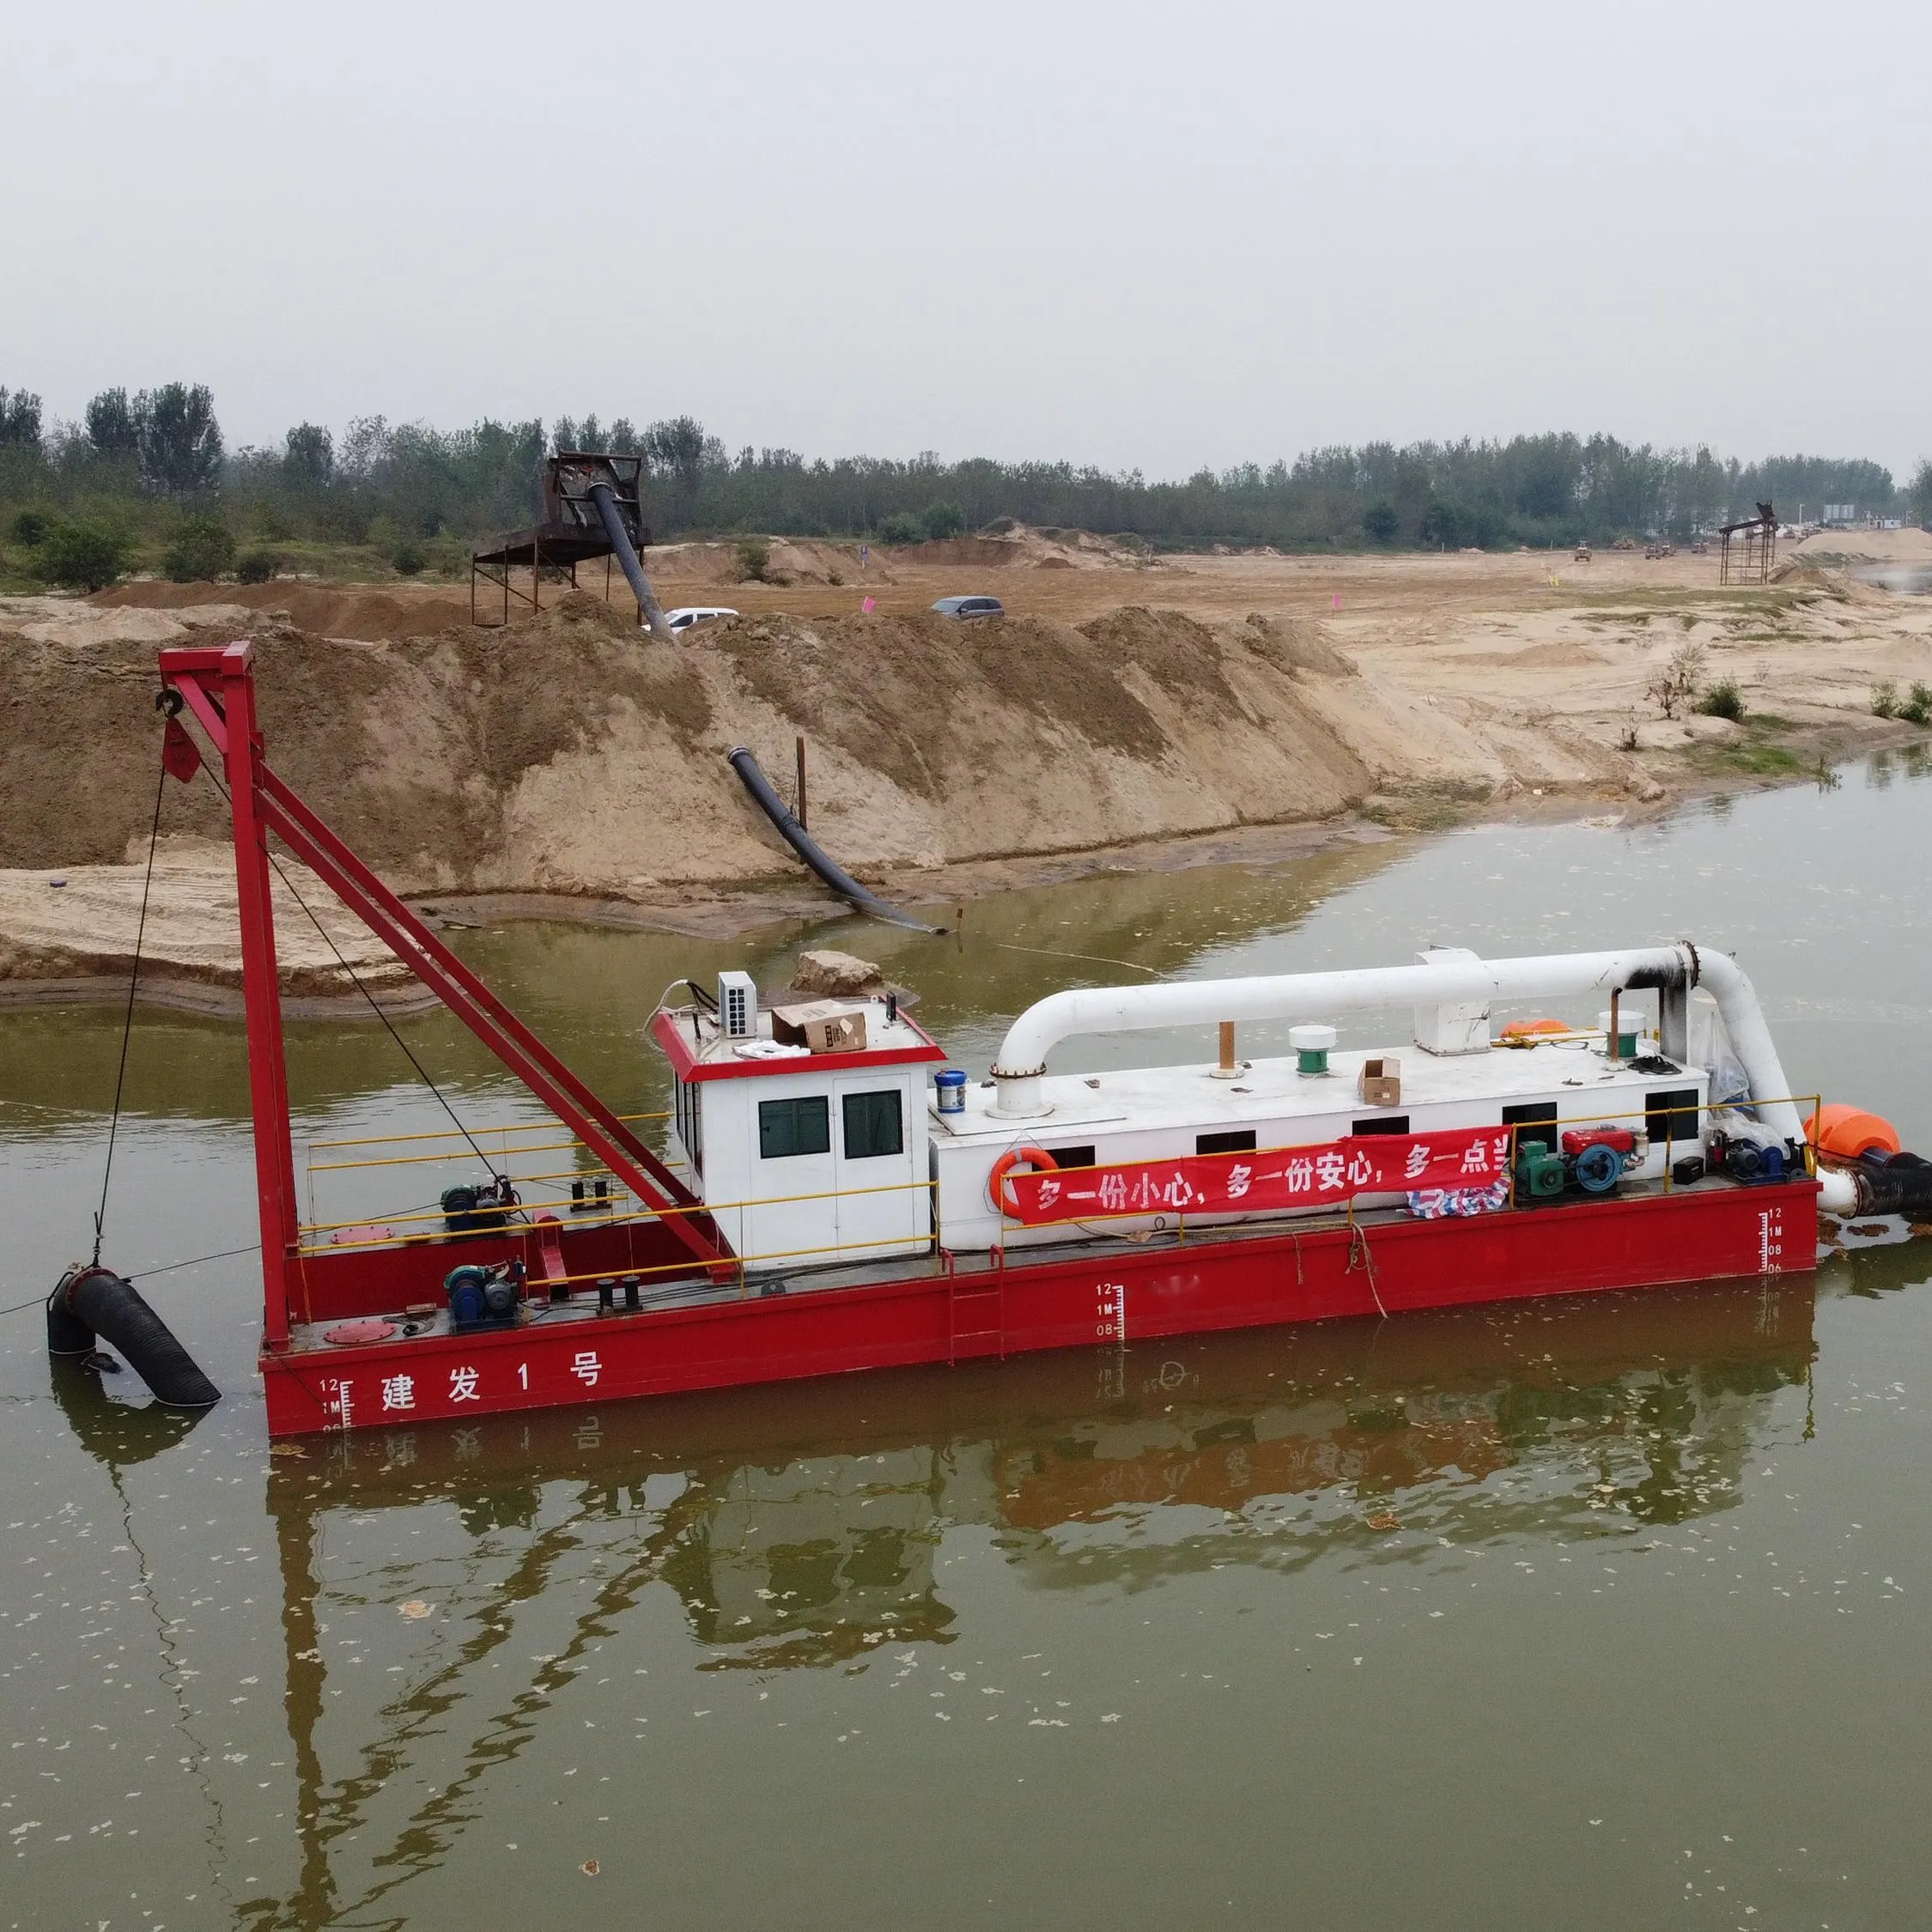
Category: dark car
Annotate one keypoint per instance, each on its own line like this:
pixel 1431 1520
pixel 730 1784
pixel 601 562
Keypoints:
pixel 970 607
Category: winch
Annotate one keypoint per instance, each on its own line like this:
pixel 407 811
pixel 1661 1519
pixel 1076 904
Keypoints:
pixel 484 1298
pixel 473 1210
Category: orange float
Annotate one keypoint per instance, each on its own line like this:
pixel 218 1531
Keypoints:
pixel 1524 1033
pixel 1849 1132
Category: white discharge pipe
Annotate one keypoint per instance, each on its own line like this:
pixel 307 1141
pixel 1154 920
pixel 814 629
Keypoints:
pixel 1457 979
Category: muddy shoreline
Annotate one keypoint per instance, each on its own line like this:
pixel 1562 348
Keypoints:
pixel 947 893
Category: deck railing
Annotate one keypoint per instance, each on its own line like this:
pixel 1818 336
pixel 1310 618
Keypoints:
pixel 427 1225
pixel 618 1205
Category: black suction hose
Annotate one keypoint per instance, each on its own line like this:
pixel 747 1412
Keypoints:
pixel 606 501
pixel 90 1301
pixel 802 843
pixel 1894 1190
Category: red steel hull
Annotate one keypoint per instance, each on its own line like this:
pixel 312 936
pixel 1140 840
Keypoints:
pixel 1059 1301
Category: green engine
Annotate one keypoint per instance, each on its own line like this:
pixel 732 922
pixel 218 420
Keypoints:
pixel 1539 1172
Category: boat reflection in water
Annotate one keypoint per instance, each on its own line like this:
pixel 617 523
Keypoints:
pixel 800 1525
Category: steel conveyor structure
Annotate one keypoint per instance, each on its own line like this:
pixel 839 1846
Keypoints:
pixel 591 508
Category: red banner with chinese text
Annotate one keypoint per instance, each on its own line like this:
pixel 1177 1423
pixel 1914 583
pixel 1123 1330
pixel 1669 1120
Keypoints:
pixel 1274 1178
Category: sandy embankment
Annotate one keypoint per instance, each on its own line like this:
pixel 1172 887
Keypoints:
pixel 1204 707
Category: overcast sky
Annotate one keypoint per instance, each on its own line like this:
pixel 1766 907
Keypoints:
pixel 1128 234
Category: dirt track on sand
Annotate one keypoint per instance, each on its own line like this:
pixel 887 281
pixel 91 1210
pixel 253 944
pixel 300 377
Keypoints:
pixel 1121 702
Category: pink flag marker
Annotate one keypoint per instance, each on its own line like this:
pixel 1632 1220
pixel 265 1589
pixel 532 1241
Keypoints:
pixel 867 606
pixel 1337 600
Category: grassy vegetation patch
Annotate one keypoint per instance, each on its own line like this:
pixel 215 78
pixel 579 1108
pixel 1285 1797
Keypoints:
pixel 1749 759
pixel 1428 808
pixel 1770 600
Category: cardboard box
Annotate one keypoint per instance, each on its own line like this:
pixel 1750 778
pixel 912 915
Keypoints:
pixel 826 1026
pixel 1381 1083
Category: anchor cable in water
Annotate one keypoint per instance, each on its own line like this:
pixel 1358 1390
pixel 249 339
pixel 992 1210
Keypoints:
pixel 127 1020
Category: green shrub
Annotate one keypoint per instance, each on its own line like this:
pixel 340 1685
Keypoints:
pixel 1885 700
pixel 1380 521
pixel 408 557
pixel 1723 700
pixel 943 521
pixel 255 567
pixel 754 554
pixel 31 526
pixel 1677 683
pixel 203 550
pixel 902 527
pixel 83 556
pixel 1917 708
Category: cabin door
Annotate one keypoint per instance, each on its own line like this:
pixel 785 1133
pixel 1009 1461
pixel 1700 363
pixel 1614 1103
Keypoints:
pixel 794 1222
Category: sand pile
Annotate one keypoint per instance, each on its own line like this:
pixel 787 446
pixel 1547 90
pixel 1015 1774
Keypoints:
pixel 787 561
pixel 1907 546
pixel 1806 572
pixel 567 754
pixel 1018 546
pixel 68 620
pixel 331 611
pixel 805 561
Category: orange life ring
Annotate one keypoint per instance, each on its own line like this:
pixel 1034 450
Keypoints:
pixel 1848 1132
pixel 1038 1158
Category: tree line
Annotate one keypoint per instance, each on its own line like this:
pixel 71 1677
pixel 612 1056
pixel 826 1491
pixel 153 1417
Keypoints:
pixel 147 476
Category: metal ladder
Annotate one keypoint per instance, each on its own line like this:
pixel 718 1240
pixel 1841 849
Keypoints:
pixel 970 1309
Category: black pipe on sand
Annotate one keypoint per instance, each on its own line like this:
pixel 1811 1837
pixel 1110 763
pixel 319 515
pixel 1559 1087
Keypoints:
pixel 91 1302
pixel 808 848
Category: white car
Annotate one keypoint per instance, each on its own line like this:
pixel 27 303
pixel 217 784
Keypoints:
pixel 686 615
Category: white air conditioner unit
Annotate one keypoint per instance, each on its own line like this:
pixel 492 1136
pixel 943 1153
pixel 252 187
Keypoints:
pixel 738 1006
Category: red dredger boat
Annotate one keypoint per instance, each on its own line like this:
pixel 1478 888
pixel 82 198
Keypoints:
pixel 824 1203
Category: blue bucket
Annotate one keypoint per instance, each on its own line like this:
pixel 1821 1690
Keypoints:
pixel 952 1091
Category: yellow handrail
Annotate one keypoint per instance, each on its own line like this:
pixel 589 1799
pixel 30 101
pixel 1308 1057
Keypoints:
pixel 464 1133
pixel 739 1262
pixel 654 1212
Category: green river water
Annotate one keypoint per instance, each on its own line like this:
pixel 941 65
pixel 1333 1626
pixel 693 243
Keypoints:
pixel 1596 1613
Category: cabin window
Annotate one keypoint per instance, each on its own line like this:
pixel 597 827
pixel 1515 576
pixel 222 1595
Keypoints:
pixel 1382 1123
pixel 1671 1116
pixel 1072 1156
pixel 691 1122
pixel 788 1128
pixel 1532 1114
pixel 1238 1140
pixel 873 1125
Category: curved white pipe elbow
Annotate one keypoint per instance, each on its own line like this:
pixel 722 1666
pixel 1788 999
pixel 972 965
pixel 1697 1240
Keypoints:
pixel 1751 1040
pixel 1838 1191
